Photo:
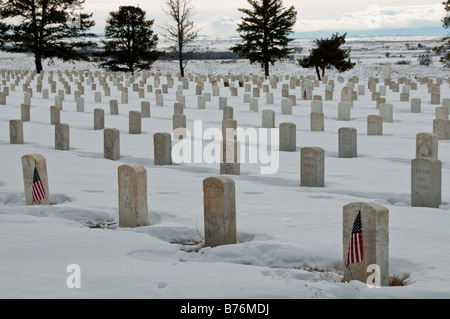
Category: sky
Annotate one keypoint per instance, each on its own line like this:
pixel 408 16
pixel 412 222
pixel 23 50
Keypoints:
pixel 220 18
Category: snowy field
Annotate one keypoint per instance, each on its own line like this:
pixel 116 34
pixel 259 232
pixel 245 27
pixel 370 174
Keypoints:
pixel 289 237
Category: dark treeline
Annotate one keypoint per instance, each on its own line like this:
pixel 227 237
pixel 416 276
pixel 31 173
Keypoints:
pixel 204 55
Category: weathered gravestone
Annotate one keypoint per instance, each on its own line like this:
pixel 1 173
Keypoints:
pixel 427 145
pixel 365 241
pixel 312 167
pixel 287 137
pixel 219 204
pixel 441 128
pixel 344 111
pixel 62 141
pixel 426 182
pixel 133 206
pixel 34 169
pixel 268 119
pixel 111 144
pixel 416 104
pixel 16 132
pixel 387 112
pixel 134 122
pixel 374 125
pixel 162 148
pixel 145 108
pixel 317 121
pixel 347 142
pixel 99 119
pixel 227 112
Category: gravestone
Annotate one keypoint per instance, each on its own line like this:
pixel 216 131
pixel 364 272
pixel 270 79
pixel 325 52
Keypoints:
pixel 374 223
pixel 178 108
pixel 312 167
pixel 317 121
pixel 230 157
pixel 114 107
pixel 133 206
pixel 441 112
pixel 287 137
pixel 162 149
pixel 344 110
pixel 347 95
pixel 99 119
pixel 387 112
pixel 2 98
pixel 124 98
pixel 416 104
pixel 25 112
pixel 426 182
pixel 62 141
pixel 98 97
pixel 441 128
pixel 347 142
pixel 222 102
pixel 219 204
pixel 374 125
pixel 427 145
pixel 254 105
pixel 286 106
pixel 134 122
pixel 201 103
pixel 145 109
pixel 316 106
pixel 269 98
pixel 15 131
pixel 179 126
pixel 435 94
pixel 55 116
pixel 80 104
pixel 227 113
pixel 268 119
pixel 159 100
pixel 111 144
pixel 30 164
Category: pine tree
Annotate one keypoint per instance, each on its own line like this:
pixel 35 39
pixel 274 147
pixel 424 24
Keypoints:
pixel 328 54
pixel 47 29
pixel 264 31
pixel 181 31
pixel 130 41
pixel 445 47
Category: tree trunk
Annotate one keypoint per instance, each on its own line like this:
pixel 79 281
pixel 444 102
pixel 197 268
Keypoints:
pixel 266 69
pixel 318 73
pixel 180 60
pixel 38 62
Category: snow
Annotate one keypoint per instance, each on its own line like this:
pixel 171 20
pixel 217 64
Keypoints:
pixel 283 230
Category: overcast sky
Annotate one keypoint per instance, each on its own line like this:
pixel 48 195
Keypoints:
pixel 219 18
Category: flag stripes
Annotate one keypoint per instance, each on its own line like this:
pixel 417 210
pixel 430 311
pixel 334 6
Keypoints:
pixel 38 191
pixel 355 252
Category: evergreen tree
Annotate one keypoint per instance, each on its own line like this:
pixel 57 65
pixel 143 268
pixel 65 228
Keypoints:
pixel 264 31
pixel 328 54
pixel 46 28
pixel 130 41
pixel 181 31
pixel 445 47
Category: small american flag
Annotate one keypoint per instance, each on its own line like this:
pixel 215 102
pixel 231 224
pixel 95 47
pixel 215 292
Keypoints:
pixel 355 253
pixel 38 191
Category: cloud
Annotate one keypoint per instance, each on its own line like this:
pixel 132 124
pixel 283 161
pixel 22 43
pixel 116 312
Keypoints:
pixel 219 25
pixel 383 17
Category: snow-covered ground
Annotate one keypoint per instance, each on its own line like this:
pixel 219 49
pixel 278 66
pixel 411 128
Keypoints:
pixel 283 230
